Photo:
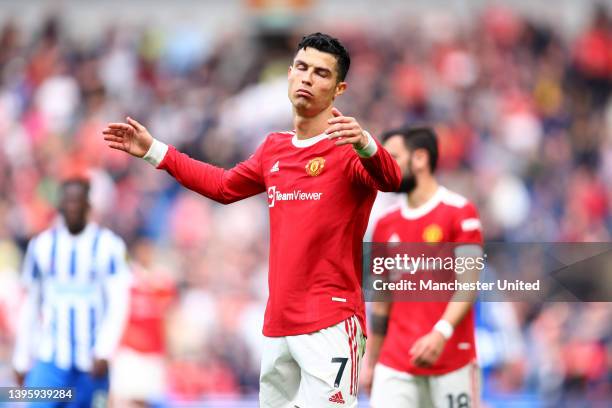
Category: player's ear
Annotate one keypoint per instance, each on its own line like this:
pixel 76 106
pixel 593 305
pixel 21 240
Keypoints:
pixel 289 70
pixel 340 88
pixel 419 157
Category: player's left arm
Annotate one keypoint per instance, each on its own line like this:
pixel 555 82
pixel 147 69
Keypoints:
pixel 28 316
pixel 116 288
pixel 375 167
pixel 468 232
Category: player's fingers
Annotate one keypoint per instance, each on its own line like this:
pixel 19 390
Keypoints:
pixel 111 138
pixel 340 126
pixel 428 358
pixel 424 362
pixel 114 132
pixel 424 357
pixel 350 134
pixel 120 126
pixel 341 119
pixel 135 124
pixel 342 133
pixel 117 146
pixel 416 348
pixel 347 140
pixel 336 112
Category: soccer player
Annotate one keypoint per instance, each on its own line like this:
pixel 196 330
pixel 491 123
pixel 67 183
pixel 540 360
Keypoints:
pixel 77 285
pixel 423 353
pixel 138 377
pixel 321 180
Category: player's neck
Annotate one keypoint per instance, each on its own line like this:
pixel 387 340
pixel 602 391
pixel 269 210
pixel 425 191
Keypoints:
pixel 307 127
pixel 425 190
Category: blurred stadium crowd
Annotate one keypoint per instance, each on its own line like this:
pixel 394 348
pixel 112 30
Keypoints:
pixel 524 116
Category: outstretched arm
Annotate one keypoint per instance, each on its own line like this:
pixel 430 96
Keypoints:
pixel 224 186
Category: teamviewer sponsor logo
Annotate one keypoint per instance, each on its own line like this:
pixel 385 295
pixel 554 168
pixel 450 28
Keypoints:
pixel 271 196
pixel 295 195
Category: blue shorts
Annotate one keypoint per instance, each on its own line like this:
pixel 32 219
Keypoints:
pixel 88 391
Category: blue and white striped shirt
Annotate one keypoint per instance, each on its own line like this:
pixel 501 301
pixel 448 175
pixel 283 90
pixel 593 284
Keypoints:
pixel 77 298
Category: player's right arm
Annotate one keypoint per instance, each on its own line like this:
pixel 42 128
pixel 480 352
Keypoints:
pixel 224 186
pixel 28 315
pixel 379 320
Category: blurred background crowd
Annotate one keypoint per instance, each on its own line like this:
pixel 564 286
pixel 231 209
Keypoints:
pixel 521 105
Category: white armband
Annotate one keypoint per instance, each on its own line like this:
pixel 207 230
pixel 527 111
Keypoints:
pixel 156 153
pixel 369 149
pixel 445 328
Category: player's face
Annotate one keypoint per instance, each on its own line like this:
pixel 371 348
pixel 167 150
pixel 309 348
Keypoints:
pixel 313 82
pixel 74 206
pixel 403 156
pixel 397 148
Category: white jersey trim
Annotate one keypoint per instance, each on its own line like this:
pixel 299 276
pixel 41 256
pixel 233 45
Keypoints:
pixel 442 195
pixel 412 213
pixel 471 224
pixel 453 199
pixel 307 142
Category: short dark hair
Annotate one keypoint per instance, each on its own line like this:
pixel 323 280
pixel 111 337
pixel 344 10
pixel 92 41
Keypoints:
pixel 418 138
pixel 330 45
pixel 79 181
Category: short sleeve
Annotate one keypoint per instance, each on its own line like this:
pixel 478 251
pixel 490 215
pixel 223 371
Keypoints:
pixel 467 226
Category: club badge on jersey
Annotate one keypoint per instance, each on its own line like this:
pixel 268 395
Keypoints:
pixel 432 233
pixel 315 166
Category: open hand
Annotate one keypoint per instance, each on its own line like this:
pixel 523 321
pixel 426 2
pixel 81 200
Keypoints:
pixel 346 130
pixel 130 137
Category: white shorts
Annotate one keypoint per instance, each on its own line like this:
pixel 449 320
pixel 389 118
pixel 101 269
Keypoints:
pixel 319 369
pixel 138 376
pixel 457 389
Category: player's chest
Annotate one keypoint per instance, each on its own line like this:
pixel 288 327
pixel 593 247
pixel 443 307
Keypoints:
pixel 305 175
pixel 425 229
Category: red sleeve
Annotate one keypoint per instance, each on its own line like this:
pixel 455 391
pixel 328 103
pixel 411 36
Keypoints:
pixel 224 186
pixel 467 225
pixel 379 171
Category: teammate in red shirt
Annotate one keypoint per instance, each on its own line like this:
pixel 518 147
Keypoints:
pixel 139 366
pixel 423 353
pixel 321 180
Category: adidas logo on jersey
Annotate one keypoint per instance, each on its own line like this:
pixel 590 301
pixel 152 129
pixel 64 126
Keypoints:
pixel 275 168
pixel 337 398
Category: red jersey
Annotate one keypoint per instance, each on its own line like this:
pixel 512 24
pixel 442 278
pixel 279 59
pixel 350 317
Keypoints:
pixel 149 302
pixel 319 197
pixel 446 217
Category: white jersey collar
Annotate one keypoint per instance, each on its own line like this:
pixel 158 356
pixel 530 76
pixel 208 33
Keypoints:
pixel 307 142
pixel 412 213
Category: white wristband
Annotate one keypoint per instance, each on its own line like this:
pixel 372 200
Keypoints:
pixel 369 149
pixel 156 152
pixel 445 328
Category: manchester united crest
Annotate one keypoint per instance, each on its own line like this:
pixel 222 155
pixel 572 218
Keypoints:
pixel 433 233
pixel 315 166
